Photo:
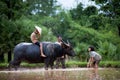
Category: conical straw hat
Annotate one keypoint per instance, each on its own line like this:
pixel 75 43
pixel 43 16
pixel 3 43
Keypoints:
pixel 39 29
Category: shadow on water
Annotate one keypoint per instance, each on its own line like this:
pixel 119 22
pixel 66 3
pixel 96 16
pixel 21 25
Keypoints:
pixel 60 74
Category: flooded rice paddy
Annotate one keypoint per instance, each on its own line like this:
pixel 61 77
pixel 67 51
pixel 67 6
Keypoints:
pixel 61 74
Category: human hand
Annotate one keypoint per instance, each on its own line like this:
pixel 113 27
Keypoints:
pixel 88 65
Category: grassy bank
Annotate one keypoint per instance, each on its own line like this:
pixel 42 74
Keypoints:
pixel 113 64
pixel 70 64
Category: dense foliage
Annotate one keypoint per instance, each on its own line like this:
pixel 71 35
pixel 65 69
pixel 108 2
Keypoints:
pixel 81 26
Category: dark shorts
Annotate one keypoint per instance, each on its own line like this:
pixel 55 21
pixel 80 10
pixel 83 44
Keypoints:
pixel 38 44
pixel 96 62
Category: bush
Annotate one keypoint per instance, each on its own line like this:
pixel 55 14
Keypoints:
pixel 81 51
pixel 114 64
pixel 107 50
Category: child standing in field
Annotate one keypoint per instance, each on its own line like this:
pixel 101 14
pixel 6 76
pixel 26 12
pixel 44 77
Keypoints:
pixel 94 59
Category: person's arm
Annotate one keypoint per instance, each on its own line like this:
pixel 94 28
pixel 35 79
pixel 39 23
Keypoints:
pixel 38 36
pixel 89 64
pixel 33 36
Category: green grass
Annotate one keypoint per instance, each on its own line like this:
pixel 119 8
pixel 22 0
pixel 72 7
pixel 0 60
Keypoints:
pixel 115 64
pixel 75 64
pixel 32 65
pixel 70 64
pixel 3 65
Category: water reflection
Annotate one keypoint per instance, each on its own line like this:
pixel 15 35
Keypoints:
pixel 68 74
pixel 93 75
pixel 52 75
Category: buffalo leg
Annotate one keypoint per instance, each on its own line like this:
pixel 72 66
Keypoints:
pixel 57 63
pixel 16 67
pixel 17 64
pixel 52 63
pixel 10 65
pixel 46 67
pixel 47 61
pixel 14 64
pixel 63 63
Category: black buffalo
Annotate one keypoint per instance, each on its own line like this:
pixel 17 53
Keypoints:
pixel 31 53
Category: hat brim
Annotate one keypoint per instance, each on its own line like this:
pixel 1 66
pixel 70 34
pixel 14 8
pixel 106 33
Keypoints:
pixel 38 29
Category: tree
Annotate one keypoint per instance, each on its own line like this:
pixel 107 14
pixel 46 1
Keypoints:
pixel 96 21
pixel 81 15
pixel 77 12
pixel 12 8
pixel 90 10
pixel 10 11
pixel 43 8
pixel 12 29
pixel 111 9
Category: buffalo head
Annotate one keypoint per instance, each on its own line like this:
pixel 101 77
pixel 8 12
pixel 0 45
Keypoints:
pixel 68 48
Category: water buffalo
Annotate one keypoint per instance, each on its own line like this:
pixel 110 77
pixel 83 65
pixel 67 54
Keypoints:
pixel 31 53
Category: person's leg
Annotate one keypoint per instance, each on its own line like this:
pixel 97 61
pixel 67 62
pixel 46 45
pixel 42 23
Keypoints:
pixel 41 49
pixel 96 66
pixel 93 64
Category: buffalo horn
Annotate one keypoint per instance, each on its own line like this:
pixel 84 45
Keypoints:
pixel 68 42
pixel 65 43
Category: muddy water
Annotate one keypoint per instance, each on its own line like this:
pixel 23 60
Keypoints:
pixel 61 74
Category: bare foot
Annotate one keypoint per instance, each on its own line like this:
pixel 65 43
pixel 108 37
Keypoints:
pixel 43 55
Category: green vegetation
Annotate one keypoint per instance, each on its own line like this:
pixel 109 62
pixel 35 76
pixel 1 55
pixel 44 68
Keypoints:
pixel 103 64
pixel 81 26
pixel 69 64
